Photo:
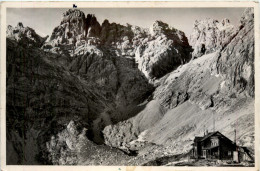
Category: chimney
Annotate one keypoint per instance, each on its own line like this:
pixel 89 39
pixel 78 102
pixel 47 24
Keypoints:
pixel 213 117
pixel 235 131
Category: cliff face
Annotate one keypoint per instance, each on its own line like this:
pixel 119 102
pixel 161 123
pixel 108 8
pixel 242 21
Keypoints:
pixel 41 96
pixel 126 87
pixel 210 35
pixel 164 50
pixel 236 61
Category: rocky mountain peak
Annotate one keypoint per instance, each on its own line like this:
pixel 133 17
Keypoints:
pixel 162 43
pixel 72 15
pixel 74 30
pixel 209 35
pixel 20 25
pixel 225 21
pixel 72 26
pixel 105 23
pixel 25 35
pixel 93 27
pixel 163 49
pixel 91 18
pixel 247 17
pixel 160 27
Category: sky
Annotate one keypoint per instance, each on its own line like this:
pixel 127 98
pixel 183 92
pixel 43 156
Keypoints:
pixel 44 20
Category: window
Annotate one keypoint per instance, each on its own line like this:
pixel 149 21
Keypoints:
pixel 214 142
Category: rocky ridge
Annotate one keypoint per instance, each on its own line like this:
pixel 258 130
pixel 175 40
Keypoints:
pixel 165 46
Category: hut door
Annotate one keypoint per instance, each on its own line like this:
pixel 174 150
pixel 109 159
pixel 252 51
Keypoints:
pixel 205 154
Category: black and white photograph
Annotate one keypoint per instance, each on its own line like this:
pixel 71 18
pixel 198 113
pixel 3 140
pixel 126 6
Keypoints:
pixel 130 86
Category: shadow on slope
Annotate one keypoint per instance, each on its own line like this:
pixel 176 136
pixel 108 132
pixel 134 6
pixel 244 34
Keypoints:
pixel 43 95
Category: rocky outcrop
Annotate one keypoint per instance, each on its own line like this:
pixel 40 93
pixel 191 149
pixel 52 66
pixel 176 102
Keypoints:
pixel 93 27
pixel 25 36
pixel 117 78
pixel 74 30
pixel 210 35
pixel 113 33
pixel 72 147
pixel 71 28
pixel 61 147
pixel 162 51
